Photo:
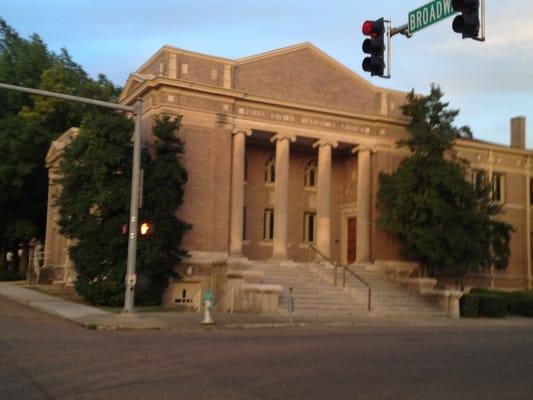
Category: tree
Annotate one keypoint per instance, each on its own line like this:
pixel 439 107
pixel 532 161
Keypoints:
pixel 94 203
pixel 28 124
pixel 441 220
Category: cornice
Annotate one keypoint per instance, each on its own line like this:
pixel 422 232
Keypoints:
pixel 492 147
pixel 237 95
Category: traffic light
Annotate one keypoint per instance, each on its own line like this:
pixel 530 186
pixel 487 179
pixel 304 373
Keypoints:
pixel 146 228
pixel 374 46
pixel 468 22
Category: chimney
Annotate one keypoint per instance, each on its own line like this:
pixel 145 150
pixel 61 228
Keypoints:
pixel 518 133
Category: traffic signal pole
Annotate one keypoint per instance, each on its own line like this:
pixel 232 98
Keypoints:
pixel 131 277
pixel 135 176
pixel 471 24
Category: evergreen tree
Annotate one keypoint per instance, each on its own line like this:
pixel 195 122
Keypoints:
pixel 442 221
pixel 94 203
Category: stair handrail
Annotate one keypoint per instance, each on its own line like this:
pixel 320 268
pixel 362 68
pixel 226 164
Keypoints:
pixel 344 269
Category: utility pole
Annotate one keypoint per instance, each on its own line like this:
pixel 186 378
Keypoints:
pixel 130 279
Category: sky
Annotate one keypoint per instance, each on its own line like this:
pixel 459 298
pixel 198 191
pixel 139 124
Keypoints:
pixel 489 82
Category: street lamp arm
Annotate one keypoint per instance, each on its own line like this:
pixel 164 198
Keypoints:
pixel 62 96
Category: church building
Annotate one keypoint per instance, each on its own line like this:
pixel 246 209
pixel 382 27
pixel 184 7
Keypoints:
pixel 284 149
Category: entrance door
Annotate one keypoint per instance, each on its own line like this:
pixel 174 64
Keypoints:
pixel 351 237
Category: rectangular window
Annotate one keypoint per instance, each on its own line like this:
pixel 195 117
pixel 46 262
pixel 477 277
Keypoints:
pixel 498 188
pixel 268 224
pixel 309 227
pixel 477 178
pixel 184 69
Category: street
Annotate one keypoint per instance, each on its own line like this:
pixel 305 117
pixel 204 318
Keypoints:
pixel 43 357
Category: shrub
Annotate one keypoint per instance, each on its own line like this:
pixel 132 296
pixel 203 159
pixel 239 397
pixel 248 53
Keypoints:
pixel 493 305
pixel 470 305
pixel 524 306
pixel 11 276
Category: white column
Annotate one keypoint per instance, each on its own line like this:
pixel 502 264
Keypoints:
pixel 237 190
pixel 281 195
pixel 323 208
pixel 363 204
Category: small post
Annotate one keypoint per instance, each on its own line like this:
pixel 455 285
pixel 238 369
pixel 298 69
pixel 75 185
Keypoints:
pixel 291 305
pixel 369 298
pixel 232 299
pixel 335 274
pixel 343 276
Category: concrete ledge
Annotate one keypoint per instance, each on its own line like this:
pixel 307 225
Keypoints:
pixel 422 285
pixel 262 287
pixel 397 269
pixel 449 301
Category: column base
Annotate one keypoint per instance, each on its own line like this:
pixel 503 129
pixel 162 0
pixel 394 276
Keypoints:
pixel 237 262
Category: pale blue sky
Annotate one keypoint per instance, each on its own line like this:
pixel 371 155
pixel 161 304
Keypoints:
pixel 489 82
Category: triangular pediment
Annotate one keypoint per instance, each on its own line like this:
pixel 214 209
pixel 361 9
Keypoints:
pixel 305 74
pixel 56 148
pixel 134 81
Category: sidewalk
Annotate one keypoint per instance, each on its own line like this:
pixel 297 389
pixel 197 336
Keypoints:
pixel 95 318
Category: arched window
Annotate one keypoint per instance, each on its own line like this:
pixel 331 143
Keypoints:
pixel 270 170
pixel 310 174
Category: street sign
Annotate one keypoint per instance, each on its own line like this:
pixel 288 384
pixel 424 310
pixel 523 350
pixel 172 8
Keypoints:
pixel 428 14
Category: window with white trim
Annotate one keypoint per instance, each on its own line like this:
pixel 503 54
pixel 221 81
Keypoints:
pixel 477 178
pixel 498 187
pixel 268 224
pixel 309 227
pixel 270 170
pixel 310 174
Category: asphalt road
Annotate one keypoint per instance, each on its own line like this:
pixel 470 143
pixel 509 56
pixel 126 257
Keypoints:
pixel 42 357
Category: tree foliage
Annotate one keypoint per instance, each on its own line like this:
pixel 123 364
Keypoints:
pixel 94 204
pixel 28 124
pixel 442 220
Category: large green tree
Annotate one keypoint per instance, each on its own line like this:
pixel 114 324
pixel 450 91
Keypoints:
pixel 441 219
pixel 94 204
pixel 28 124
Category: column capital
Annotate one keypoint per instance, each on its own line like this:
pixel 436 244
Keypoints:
pixel 246 131
pixel 282 136
pixel 360 148
pixel 325 142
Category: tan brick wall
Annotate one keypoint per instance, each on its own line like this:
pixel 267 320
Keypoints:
pixel 306 77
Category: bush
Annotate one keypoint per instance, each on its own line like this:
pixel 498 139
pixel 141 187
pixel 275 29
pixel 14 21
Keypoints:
pixel 470 305
pixel 524 307
pixel 491 302
pixel 493 305
pixel 103 293
pixel 11 276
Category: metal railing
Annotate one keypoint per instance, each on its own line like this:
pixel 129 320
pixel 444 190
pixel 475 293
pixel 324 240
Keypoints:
pixel 344 270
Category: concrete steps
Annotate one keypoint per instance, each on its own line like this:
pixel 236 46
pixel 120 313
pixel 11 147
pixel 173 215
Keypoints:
pixel 314 292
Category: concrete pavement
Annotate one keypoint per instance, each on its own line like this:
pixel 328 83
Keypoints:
pixel 96 318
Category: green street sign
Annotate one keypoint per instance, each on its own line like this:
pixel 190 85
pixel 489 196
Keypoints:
pixel 429 14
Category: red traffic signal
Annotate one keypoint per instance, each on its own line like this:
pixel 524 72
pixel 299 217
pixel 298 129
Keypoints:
pixel 374 46
pixel 373 28
pixel 468 22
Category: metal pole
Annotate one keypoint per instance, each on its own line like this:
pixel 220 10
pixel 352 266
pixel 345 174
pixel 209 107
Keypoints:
pixel 68 97
pixel 134 211
pixel 369 298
